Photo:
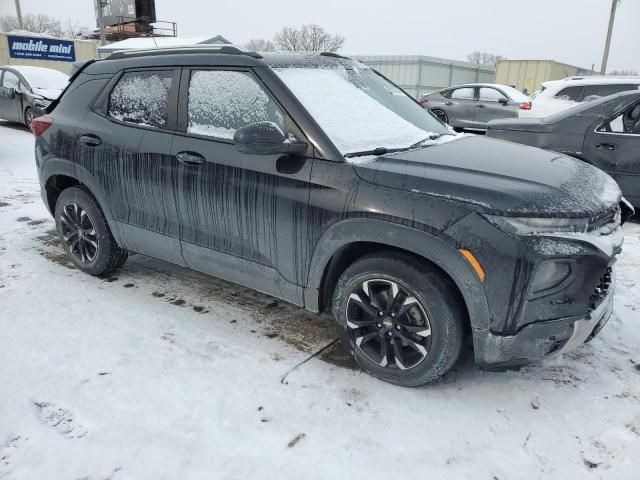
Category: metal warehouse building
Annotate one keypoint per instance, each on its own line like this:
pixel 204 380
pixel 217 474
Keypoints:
pixel 21 48
pixel 529 74
pixel 418 74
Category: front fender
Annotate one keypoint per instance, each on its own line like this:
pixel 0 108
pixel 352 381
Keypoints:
pixel 436 249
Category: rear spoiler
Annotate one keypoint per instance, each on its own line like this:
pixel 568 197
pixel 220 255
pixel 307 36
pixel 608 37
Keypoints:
pixel 76 70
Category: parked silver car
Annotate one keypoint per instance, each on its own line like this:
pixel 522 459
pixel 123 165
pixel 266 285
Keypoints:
pixel 474 105
pixel 26 90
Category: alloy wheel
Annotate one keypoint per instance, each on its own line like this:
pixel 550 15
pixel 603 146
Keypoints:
pixel 388 324
pixel 442 116
pixel 78 233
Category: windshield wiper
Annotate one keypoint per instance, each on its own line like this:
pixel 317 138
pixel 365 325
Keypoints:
pixel 376 151
pixel 433 136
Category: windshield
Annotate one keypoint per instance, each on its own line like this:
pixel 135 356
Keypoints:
pixel 45 78
pixel 360 110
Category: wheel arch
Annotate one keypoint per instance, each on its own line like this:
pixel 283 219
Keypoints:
pixel 61 174
pixel 348 240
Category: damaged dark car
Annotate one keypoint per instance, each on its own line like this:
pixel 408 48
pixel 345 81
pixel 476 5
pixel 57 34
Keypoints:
pixel 314 179
pixel 604 133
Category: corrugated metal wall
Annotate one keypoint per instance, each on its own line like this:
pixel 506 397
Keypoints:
pixel 418 74
pixel 85 50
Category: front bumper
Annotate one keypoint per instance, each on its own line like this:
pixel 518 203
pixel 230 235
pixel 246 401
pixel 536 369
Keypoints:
pixel 541 340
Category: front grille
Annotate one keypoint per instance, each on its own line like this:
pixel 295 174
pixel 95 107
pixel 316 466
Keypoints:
pixel 601 290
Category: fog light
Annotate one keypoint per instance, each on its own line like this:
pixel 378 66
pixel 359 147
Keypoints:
pixel 549 274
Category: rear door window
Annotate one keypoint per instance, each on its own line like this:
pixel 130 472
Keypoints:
pixel 221 102
pixel 142 98
pixel 463 94
pixel 491 95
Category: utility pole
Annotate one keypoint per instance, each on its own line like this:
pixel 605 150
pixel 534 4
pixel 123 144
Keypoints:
pixel 100 4
pixel 607 45
pixel 19 15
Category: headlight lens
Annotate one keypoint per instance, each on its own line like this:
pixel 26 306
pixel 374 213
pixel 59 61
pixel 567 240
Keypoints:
pixel 42 102
pixel 530 226
pixel 548 275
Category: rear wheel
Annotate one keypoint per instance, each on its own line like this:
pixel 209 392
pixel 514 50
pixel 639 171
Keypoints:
pixel 442 115
pixel 84 233
pixel 403 322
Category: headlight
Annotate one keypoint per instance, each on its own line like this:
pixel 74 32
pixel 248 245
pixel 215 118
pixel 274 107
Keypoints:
pixel 42 102
pixel 530 226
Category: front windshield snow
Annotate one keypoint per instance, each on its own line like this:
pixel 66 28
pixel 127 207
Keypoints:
pixel 359 110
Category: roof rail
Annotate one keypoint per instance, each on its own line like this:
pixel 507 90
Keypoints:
pixel 152 52
pixel 333 55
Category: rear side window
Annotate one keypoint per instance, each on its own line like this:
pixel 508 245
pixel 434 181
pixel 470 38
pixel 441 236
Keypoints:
pixel 221 102
pixel 569 94
pixel 141 98
pixel 491 95
pixel 463 94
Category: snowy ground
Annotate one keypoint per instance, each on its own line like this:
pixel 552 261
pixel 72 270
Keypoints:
pixel 162 373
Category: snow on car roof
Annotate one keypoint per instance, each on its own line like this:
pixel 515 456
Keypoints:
pixel 591 81
pixel 41 77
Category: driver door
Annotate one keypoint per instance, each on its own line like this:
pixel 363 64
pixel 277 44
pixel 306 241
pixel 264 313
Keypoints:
pixel 10 108
pixel 240 214
pixel 615 148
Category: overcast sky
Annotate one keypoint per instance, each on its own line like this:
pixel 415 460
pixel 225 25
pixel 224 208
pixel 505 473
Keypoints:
pixel 569 31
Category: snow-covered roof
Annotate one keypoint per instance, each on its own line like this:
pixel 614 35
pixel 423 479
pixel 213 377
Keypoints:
pixel 154 42
pixel 599 80
pixel 41 77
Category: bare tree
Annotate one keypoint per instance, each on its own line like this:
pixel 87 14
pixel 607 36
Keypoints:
pixel 485 59
pixel 260 45
pixel 73 29
pixel 308 38
pixel 40 23
pixel 626 73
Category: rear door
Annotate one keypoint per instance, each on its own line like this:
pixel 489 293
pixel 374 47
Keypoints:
pixel 460 106
pixel 10 108
pixel 489 106
pixel 239 213
pixel 124 145
pixel 615 148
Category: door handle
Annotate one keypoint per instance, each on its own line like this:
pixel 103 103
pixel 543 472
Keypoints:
pixel 482 106
pixel 448 103
pixel 606 146
pixel 90 140
pixel 190 158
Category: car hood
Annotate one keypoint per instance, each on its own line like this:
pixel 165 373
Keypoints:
pixel 497 177
pixel 48 93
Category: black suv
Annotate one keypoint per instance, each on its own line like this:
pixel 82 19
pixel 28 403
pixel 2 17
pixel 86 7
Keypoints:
pixel 314 179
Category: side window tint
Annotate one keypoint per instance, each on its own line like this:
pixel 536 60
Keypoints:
pixel 569 94
pixel 10 80
pixel 594 92
pixel 626 122
pixel 463 94
pixel 491 95
pixel 221 102
pixel 141 98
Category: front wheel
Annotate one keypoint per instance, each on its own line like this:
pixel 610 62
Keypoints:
pixel 84 233
pixel 28 117
pixel 403 321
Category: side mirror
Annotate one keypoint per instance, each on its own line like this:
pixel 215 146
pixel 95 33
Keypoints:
pixel 11 92
pixel 503 101
pixel 266 138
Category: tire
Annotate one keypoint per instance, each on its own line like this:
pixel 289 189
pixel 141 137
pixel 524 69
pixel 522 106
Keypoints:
pixel 428 347
pixel 28 117
pixel 442 115
pixel 84 233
